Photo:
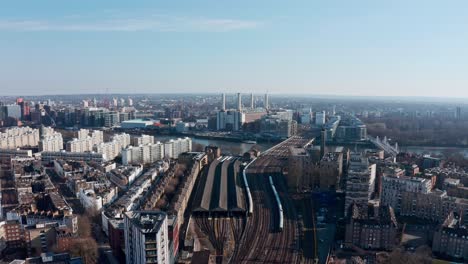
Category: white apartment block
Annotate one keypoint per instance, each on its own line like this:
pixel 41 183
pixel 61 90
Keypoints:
pixel 84 142
pixel 52 142
pixel 149 153
pixel 142 140
pixel 320 118
pixel 123 139
pixel 393 187
pixel 173 148
pixel 82 133
pixel 146 237
pixel 143 154
pixel 80 145
pixel 47 131
pixel 17 137
pixel 360 183
pixel 110 150
pixel 97 137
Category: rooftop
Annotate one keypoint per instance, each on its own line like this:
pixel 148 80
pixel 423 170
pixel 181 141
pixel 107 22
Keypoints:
pixel 147 221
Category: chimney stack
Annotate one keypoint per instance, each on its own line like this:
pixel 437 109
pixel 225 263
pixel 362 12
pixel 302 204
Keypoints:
pixel 252 106
pixel 239 102
pixel 223 102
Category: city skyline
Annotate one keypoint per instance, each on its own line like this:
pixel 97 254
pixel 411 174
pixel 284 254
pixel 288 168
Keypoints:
pixel 333 48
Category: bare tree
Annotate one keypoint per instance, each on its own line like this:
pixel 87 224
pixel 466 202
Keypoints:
pixel 84 226
pixel 87 249
pixel 420 256
pixel 198 147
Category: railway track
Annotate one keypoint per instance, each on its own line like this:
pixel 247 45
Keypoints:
pixel 262 242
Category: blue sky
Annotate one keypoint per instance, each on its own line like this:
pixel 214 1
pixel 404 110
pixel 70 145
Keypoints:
pixel 387 48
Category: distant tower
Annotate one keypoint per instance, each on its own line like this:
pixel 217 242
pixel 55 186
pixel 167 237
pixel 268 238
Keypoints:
pixel 239 102
pixel 458 113
pixel 223 102
pixel 266 102
pixel 323 141
pixel 252 106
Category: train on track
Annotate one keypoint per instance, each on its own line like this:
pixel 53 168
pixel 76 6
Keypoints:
pixel 278 203
pixel 247 189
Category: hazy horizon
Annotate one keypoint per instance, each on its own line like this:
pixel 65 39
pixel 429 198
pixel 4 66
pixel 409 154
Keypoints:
pixel 233 96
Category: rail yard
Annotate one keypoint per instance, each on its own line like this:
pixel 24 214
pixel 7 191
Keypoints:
pixel 244 208
pixel 271 233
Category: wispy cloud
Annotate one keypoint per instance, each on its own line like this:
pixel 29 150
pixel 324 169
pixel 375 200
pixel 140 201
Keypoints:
pixel 161 23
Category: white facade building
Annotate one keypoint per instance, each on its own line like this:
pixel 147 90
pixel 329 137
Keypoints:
pixel 320 118
pixel 52 142
pixel 230 120
pixel 146 237
pixel 142 140
pixel 393 187
pixel 17 137
pixel 113 148
pixel 84 142
pixel 173 148
pixel 150 153
pixel 306 116
pixel 82 133
pixel 143 154
pixel 360 183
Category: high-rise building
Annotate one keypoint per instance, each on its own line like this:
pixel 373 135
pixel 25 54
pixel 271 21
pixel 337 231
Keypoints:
pixel 82 133
pixel 266 103
pixel 112 149
pixel 143 154
pixel 25 109
pixel 305 115
pixel 393 186
pixel 458 113
pixel 360 183
pixel 142 140
pixel 84 142
pixel 111 118
pixel 146 237
pixel 278 126
pixel 51 142
pixel 323 143
pixel 17 137
pixel 14 111
pixel 173 148
pixel 231 120
pixel 320 118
